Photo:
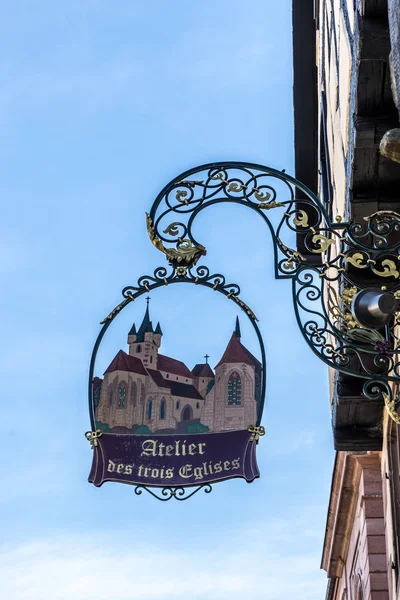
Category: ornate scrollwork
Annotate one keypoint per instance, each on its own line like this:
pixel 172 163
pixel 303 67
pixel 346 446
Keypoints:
pixel 347 252
pixel 186 251
pixel 179 493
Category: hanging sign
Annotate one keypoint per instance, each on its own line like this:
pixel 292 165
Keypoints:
pixel 155 422
pixel 158 424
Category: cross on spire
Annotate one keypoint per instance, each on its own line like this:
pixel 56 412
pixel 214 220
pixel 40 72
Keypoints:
pixel 148 300
pixel 206 357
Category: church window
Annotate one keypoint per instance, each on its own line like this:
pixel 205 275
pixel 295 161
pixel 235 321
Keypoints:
pixel 142 393
pixel 96 396
pixel 110 396
pixel 138 348
pixel 149 409
pixel 122 394
pixel 162 409
pixel 197 404
pixel 234 389
pixel 134 394
pixel 151 359
pixel 178 404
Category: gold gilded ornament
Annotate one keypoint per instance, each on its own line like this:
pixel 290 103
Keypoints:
pixel 356 260
pixel 384 215
pixel 256 432
pixel 185 252
pixel 323 243
pixel 389 269
pixel 264 196
pixel 301 219
pixel 92 437
pixel 390 407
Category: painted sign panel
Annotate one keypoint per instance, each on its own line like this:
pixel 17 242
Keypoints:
pixel 158 423
pixel 174 460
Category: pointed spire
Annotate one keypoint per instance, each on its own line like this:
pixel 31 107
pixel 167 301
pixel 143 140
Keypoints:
pixel 237 329
pixel 146 326
pixel 132 330
pixel 158 329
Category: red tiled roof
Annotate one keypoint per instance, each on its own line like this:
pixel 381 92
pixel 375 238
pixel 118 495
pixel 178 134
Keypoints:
pixel 202 370
pixel 124 362
pixel 255 360
pixel 165 363
pixel 236 353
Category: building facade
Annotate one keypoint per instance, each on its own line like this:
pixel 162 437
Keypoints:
pixel 144 391
pixel 347 133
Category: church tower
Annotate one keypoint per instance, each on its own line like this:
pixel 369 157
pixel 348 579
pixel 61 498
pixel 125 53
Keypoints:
pixel 145 342
pixel 231 402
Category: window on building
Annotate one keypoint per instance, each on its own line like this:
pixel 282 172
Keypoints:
pixel 234 389
pixel 197 404
pixel 110 396
pixel 151 359
pixel 167 376
pixel 149 409
pixel 138 348
pixel 162 409
pixel 96 396
pixel 142 393
pixel 134 394
pixel 178 404
pixel 121 394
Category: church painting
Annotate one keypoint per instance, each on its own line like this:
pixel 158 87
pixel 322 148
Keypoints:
pixel 145 392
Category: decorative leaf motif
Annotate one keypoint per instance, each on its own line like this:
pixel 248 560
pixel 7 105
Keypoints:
pixel 218 176
pixel 301 219
pixel 172 229
pixel 384 215
pixel 368 336
pixel 186 252
pixel 390 407
pixel 389 269
pixel 264 196
pixel 269 205
pixel 235 187
pixel 323 243
pixel 181 195
pixel 356 260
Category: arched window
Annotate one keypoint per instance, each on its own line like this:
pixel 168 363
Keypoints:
pixel 96 395
pixel 234 389
pixel 178 404
pixel 138 348
pixel 110 395
pixel 121 394
pixel 134 394
pixel 142 393
pixel 149 409
pixel 162 409
pixel 197 404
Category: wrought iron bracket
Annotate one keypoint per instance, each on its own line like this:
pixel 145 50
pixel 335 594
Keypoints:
pixel 349 253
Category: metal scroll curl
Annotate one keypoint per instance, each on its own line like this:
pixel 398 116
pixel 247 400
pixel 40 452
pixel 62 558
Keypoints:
pixel 346 254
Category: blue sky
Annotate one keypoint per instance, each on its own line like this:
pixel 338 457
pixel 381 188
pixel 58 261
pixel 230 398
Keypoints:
pixel 101 104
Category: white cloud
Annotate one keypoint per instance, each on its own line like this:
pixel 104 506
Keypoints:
pixel 94 567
